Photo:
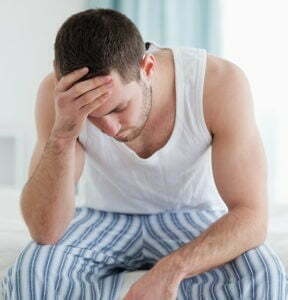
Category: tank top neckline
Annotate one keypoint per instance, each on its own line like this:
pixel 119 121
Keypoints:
pixel 177 123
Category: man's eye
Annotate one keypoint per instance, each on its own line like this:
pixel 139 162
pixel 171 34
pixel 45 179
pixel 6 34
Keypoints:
pixel 117 109
pixel 120 109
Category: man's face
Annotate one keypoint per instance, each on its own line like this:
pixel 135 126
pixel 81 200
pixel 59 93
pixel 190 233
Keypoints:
pixel 130 105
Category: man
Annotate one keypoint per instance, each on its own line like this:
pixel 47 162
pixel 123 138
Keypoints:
pixel 145 121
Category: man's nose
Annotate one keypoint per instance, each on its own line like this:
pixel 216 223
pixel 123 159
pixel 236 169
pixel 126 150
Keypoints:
pixel 110 128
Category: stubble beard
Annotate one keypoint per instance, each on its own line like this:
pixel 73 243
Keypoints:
pixel 146 109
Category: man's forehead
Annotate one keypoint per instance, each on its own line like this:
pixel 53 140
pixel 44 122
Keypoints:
pixel 116 99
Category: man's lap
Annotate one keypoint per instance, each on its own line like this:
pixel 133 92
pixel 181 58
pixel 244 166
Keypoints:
pixel 256 274
pixel 98 246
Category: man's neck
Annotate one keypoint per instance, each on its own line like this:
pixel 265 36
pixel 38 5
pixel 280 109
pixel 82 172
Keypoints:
pixel 163 86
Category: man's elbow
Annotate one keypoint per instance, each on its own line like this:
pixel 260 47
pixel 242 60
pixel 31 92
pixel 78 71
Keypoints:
pixel 256 224
pixel 260 225
pixel 45 239
pixel 261 234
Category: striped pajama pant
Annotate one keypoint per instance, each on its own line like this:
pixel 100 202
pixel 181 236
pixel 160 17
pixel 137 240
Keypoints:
pixel 98 247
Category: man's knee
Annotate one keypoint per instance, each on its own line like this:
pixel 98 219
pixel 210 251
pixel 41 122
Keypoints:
pixel 265 272
pixel 267 261
pixel 32 257
pixel 27 270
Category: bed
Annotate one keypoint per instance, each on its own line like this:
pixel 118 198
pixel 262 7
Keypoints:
pixel 14 235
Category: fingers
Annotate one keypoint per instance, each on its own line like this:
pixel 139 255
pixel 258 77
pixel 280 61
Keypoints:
pixel 67 81
pixel 98 82
pixel 95 104
pixel 86 95
pixel 93 94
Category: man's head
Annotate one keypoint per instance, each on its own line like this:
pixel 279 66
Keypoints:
pixel 108 43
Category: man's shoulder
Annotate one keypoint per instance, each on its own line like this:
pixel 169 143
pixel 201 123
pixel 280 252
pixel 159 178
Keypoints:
pixel 222 79
pixel 49 80
pixel 44 106
pixel 220 70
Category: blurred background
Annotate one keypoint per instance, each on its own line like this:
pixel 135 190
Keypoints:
pixel 248 33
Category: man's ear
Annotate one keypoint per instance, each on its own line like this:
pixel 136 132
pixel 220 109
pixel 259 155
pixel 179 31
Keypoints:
pixel 147 65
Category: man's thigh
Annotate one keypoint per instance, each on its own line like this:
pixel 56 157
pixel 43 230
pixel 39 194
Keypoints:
pixel 87 263
pixel 256 274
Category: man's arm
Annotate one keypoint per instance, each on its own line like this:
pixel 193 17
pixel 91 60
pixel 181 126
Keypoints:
pixel 239 168
pixel 44 118
pixel 47 199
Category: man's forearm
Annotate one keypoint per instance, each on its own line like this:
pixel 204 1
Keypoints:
pixel 230 236
pixel 47 198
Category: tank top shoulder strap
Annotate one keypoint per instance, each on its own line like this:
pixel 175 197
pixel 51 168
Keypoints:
pixel 82 138
pixel 151 46
pixel 193 62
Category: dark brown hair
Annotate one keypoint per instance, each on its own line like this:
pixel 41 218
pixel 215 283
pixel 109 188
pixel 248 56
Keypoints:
pixel 101 39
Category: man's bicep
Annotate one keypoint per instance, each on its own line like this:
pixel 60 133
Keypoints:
pixel 238 156
pixel 240 169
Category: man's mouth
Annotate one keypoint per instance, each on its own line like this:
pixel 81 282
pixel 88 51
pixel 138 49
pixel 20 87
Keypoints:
pixel 121 136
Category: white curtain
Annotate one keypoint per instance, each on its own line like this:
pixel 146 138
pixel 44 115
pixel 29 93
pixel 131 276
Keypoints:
pixel 254 38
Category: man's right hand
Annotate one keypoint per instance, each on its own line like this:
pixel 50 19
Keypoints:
pixel 75 101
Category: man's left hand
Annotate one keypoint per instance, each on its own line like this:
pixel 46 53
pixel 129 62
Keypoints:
pixel 161 282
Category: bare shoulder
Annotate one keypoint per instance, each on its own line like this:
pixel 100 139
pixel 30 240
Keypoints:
pixel 48 83
pixel 219 69
pixel 224 82
pixel 44 106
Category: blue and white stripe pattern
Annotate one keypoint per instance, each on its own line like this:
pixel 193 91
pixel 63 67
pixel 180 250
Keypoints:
pixel 98 247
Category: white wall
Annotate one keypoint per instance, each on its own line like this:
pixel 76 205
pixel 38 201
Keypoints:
pixel 27 32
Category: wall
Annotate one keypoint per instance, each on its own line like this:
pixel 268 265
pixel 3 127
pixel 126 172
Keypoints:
pixel 28 29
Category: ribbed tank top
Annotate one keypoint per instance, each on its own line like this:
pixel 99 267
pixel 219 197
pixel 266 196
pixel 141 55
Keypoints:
pixel 178 176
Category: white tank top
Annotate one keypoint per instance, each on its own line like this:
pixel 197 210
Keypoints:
pixel 178 176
